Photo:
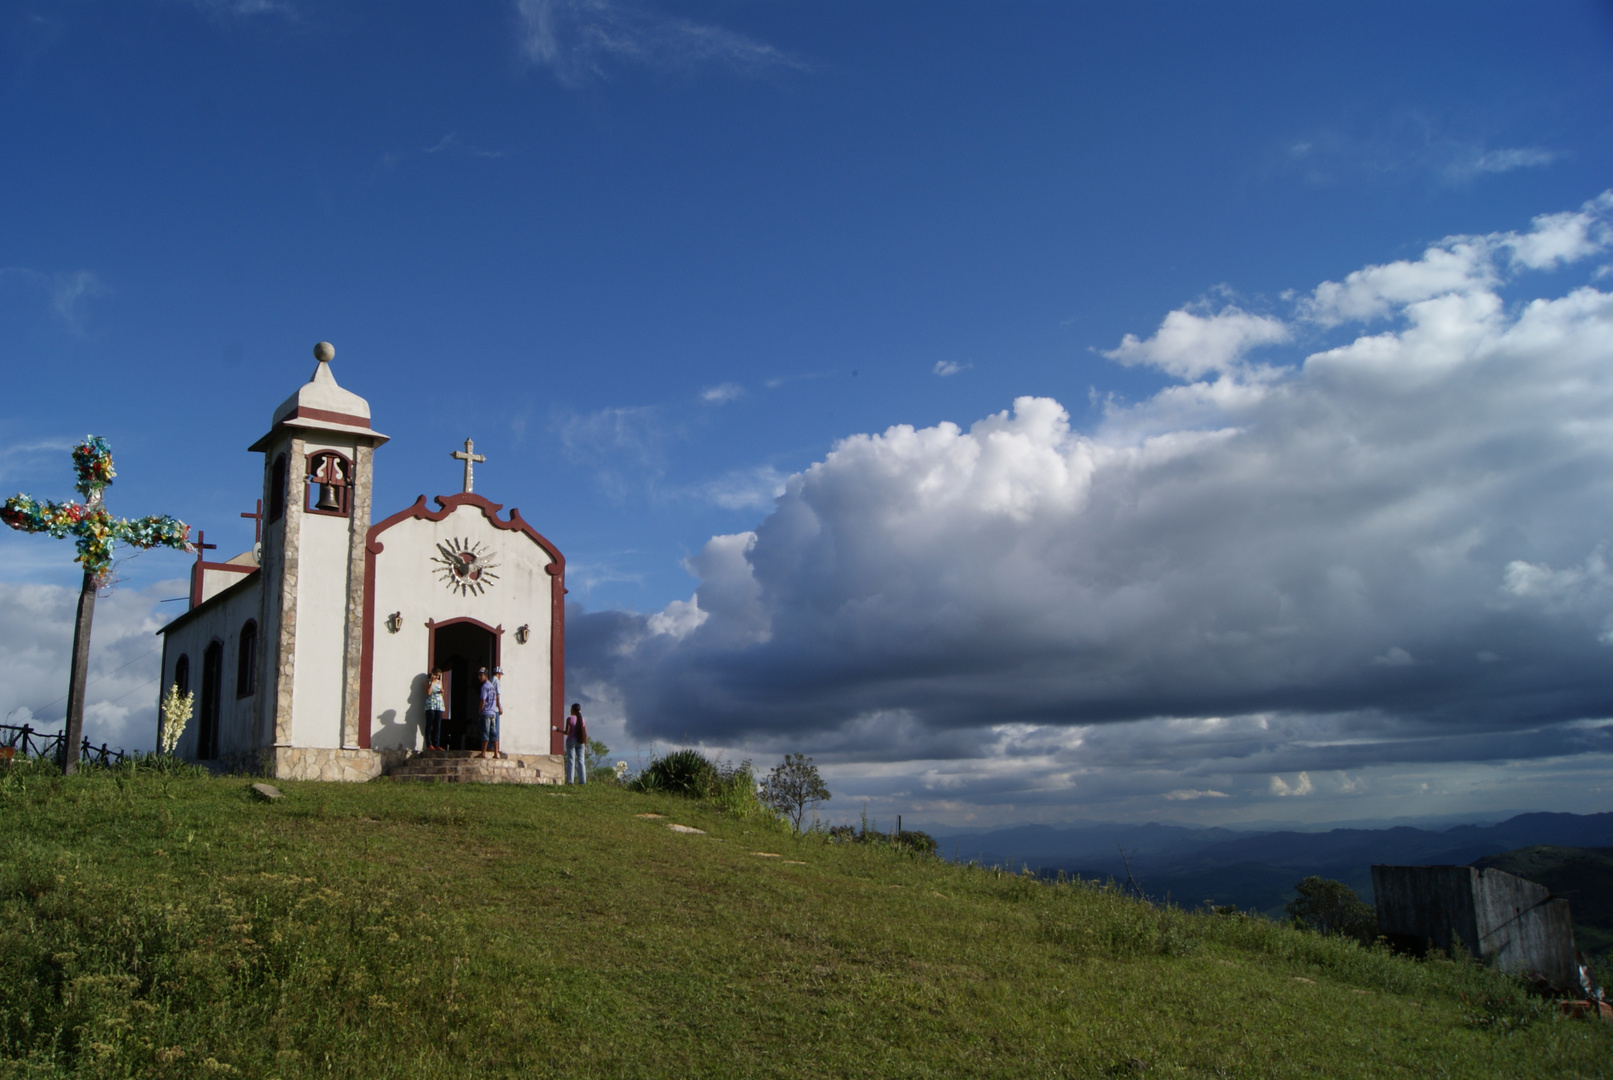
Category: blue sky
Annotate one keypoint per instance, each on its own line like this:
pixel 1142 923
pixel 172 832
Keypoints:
pixel 683 270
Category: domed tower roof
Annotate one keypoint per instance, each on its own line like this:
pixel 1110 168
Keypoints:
pixel 322 405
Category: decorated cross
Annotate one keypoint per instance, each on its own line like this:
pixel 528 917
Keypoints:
pixel 469 459
pixel 94 531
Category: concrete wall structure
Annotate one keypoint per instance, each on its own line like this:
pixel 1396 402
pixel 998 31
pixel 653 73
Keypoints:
pixel 1513 924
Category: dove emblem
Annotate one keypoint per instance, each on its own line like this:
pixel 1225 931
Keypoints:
pixel 464 566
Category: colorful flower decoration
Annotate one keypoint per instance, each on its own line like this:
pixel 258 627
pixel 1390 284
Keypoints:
pixel 92 461
pixel 95 529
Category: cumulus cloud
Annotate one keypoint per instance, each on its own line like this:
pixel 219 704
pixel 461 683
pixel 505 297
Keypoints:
pixel 1301 786
pixel 1469 267
pixel 1389 553
pixel 577 39
pixel 1191 346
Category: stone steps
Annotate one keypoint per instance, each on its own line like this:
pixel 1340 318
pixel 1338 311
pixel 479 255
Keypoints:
pixel 469 767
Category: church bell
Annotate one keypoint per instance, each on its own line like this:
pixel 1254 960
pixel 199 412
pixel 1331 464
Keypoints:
pixel 328 499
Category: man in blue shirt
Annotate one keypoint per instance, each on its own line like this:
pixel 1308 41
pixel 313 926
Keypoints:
pixel 491 709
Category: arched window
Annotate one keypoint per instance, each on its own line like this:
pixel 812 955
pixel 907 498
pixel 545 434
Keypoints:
pixel 330 484
pixel 182 674
pixel 246 661
pixel 212 675
pixel 277 489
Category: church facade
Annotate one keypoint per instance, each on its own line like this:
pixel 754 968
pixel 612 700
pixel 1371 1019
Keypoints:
pixel 308 655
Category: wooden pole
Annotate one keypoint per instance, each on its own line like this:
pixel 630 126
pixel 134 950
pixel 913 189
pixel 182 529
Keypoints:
pixel 78 676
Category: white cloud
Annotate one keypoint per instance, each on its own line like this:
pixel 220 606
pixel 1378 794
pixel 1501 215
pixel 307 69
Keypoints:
pixel 1190 345
pixel 1301 786
pixel 944 368
pixel 244 9
pixel 1188 795
pixel 625 446
pixel 1351 564
pixel 36 643
pixel 62 295
pixel 1405 145
pixel 722 393
pixel 1501 161
pixel 1461 266
pixel 740 489
pixel 575 39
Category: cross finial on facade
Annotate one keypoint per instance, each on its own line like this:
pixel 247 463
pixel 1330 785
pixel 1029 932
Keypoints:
pixel 469 459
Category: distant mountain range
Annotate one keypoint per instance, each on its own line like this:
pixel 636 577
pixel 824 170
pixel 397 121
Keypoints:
pixel 1259 870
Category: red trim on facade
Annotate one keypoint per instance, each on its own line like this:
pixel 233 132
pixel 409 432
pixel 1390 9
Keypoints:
pixel 557 603
pixel 329 417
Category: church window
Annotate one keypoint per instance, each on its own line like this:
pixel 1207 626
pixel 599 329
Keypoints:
pixel 246 661
pixel 277 489
pixel 182 674
pixel 212 675
pixel 330 483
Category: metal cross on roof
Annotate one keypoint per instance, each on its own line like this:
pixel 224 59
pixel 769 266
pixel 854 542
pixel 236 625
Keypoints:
pixel 469 459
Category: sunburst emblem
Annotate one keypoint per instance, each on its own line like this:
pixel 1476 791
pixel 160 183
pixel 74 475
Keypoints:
pixel 464 567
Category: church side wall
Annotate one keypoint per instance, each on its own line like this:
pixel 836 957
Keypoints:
pixel 238 739
pixel 409 582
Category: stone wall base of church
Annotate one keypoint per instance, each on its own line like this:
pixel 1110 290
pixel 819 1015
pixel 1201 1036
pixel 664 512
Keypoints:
pixel 318 763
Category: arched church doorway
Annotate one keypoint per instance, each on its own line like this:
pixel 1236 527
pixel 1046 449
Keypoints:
pixel 460 647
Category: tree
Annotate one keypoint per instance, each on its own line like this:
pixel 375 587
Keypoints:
pixel 794 787
pixel 1332 907
pixel 596 763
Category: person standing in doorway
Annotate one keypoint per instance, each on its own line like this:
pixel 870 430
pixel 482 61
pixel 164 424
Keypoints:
pixel 434 709
pixel 576 746
pixel 491 708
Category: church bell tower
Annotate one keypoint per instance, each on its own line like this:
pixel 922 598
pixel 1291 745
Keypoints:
pixel 318 462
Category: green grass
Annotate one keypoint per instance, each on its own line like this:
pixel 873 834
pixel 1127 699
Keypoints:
pixel 174 926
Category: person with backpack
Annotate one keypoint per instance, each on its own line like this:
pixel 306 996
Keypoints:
pixel 576 731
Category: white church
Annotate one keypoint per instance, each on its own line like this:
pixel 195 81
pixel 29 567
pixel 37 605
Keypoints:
pixel 308 655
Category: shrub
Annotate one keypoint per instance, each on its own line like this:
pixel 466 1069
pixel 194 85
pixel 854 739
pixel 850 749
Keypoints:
pixel 682 772
pixel 691 773
pixel 920 843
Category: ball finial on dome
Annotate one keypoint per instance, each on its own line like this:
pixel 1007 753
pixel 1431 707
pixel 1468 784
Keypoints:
pixel 324 352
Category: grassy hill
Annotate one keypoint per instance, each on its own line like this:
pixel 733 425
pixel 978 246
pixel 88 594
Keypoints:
pixel 152 926
pixel 1584 875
